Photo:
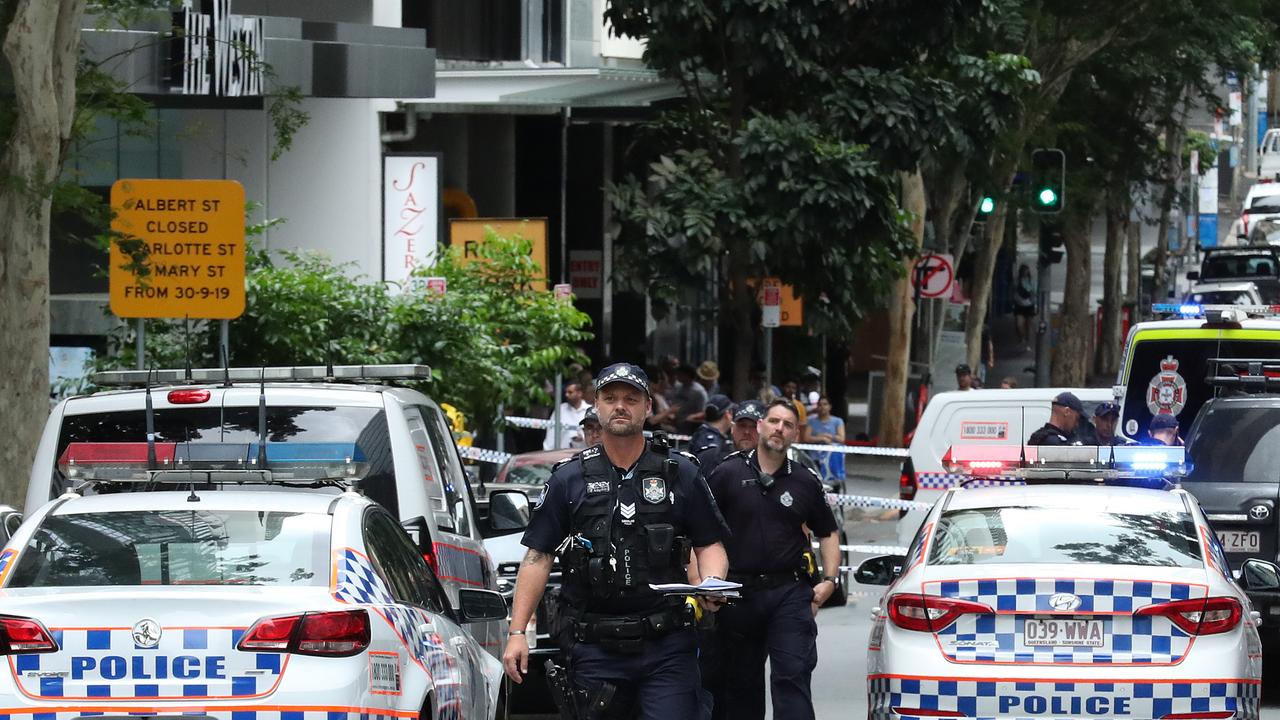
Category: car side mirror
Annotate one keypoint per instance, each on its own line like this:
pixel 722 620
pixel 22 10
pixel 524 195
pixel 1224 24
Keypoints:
pixel 508 512
pixel 1195 274
pixel 880 570
pixel 480 605
pixel 1260 576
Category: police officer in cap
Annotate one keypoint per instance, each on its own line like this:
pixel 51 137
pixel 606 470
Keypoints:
pixel 768 501
pixel 622 515
pixel 712 437
pixel 1064 415
pixel 592 433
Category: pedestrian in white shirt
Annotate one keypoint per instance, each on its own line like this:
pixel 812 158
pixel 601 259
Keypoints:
pixel 572 411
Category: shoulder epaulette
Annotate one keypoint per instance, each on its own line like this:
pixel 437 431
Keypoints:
pixel 693 458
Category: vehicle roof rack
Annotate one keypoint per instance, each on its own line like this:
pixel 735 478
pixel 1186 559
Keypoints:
pixel 1260 375
pixel 296 373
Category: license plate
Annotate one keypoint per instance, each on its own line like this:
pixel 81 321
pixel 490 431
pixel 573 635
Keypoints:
pixel 1240 541
pixel 1063 632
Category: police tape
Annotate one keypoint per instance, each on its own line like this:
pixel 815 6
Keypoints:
pixel 838 500
pixel 872 549
pixel 543 424
pixel 483 454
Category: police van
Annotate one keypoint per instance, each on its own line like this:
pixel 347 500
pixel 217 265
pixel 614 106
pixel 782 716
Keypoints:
pixel 259 417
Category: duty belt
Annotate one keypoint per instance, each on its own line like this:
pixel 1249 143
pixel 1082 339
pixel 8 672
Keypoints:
pixel 764 580
pixel 628 633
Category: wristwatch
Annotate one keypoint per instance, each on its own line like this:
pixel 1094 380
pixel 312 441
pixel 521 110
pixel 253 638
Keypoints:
pixel 833 579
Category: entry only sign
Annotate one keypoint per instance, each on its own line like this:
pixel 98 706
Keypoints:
pixel 933 275
pixel 192 239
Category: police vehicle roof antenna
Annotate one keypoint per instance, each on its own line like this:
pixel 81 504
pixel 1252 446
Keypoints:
pixel 1022 439
pixel 151 425
pixel 226 365
pixel 191 478
pixel 186 343
pixel 328 371
pixel 262 419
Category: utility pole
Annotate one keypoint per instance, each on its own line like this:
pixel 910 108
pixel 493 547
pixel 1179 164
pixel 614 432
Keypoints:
pixel 1251 120
pixel 1050 253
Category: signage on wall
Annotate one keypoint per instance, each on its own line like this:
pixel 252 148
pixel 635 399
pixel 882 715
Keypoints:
pixel 410 215
pixel 469 233
pixel 219 53
pixel 586 271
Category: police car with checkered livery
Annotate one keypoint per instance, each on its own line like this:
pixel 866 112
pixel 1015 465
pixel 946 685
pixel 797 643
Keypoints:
pixel 1065 600
pixel 234 605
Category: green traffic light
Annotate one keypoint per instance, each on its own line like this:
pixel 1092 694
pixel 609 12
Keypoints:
pixel 1048 196
pixel 988 206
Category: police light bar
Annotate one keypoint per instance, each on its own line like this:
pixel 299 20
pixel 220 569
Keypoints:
pixel 1221 313
pixel 231 462
pixel 1033 461
pixel 298 373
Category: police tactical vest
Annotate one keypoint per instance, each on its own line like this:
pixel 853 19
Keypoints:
pixel 632 533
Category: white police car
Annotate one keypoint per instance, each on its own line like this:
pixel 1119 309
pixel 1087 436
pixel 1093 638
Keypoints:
pixel 1063 600
pixel 234 605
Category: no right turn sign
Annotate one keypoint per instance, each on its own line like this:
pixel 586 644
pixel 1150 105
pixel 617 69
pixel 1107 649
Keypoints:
pixel 934 274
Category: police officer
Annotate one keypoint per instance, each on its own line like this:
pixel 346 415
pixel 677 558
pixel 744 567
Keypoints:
pixel 1064 415
pixel 1105 418
pixel 767 501
pixel 591 430
pixel 745 434
pixel 1163 430
pixel 621 515
pixel 712 437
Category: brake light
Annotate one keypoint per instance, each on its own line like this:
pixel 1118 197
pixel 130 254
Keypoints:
pixel 1244 221
pixel 1206 715
pixel 332 634
pixel 907 485
pixel 430 557
pixel 1200 616
pixel 188 397
pixel 926 712
pixel 24 635
pixel 930 613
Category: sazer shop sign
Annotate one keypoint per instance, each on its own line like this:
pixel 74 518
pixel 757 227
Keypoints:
pixel 218 53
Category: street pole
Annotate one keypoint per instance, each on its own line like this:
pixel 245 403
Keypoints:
pixel 556 422
pixel 500 432
pixel 1251 121
pixel 141 340
pixel 768 357
pixel 1044 276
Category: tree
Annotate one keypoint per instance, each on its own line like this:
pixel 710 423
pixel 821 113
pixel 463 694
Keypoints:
pixel 41 41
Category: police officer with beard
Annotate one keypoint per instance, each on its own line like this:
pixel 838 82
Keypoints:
pixel 621 515
pixel 768 501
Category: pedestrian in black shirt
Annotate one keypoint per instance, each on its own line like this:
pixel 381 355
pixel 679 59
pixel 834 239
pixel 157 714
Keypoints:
pixel 1064 415
pixel 768 501
pixel 712 436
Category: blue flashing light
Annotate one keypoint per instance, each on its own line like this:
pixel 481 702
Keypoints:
pixel 1189 309
pixel 1183 309
pixel 287 452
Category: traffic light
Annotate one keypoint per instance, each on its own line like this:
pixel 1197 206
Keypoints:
pixel 987 206
pixel 1048 180
pixel 1051 245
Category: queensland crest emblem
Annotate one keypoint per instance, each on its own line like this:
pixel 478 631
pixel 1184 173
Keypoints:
pixel 1167 391
pixel 654 489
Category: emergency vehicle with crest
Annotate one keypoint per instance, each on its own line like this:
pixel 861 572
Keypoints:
pixel 1094 588
pixel 248 418
pixel 195 600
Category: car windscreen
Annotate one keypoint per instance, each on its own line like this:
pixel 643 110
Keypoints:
pixel 1171 371
pixel 176 547
pixel 1006 535
pixel 1220 297
pixel 1235 443
pixel 1217 266
pixel 535 474
pixel 364 426
pixel 1265 203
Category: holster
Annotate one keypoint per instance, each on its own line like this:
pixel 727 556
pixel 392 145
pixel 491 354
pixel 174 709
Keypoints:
pixel 575 704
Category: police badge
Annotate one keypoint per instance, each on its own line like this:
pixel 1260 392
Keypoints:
pixel 654 490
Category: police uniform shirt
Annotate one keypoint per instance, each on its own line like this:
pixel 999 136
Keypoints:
pixel 705 438
pixel 1050 434
pixel 709 458
pixel 566 489
pixel 765 523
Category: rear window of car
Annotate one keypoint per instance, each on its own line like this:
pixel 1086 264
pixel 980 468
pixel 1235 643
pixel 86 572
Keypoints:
pixel 364 426
pixel 1234 266
pixel 535 474
pixel 1235 443
pixel 1006 535
pixel 176 547
pixel 1220 297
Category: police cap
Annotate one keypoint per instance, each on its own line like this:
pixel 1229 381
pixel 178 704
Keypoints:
pixel 749 410
pixel 624 373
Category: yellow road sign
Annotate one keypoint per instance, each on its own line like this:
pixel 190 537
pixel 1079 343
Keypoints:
pixel 191 236
pixel 468 233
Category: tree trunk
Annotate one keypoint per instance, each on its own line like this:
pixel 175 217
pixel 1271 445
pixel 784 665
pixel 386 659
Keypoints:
pixel 1075 322
pixel 1174 135
pixel 41 44
pixel 741 306
pixel 1118 203
pixel 1133 268
pixel 901 311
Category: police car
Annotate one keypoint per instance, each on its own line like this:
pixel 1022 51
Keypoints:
pixel 234 605
pixel 257 416
pixel 1064 600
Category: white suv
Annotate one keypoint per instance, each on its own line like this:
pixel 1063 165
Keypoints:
pixel 312 414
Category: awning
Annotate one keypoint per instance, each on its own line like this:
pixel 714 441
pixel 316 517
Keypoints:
pixel 544 90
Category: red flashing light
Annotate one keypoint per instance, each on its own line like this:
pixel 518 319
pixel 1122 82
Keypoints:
pixel 115 453
pixel 907 486
pixel 189 397
pixel 1199 616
